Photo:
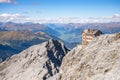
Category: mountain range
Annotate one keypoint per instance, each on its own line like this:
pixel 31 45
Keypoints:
pixel 15 37
pixel 51 60
pixel 72 31
pixel 34 27
pixel 69 32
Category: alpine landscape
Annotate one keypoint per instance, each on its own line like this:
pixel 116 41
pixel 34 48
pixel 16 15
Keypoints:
pixel 59 40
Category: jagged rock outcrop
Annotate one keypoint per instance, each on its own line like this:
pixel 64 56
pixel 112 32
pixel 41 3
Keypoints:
pixel 99 60
pixel 13 42
pixel 38 62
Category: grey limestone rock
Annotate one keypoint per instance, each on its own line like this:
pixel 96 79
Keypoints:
pixel 38 62
pixel 99 60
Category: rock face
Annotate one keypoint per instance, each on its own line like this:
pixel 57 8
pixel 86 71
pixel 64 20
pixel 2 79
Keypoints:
pixel 38 62
pixel 99 60
pixel 13 42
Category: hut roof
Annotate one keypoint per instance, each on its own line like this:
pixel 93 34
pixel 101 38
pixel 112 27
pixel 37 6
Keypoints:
pixel 91 31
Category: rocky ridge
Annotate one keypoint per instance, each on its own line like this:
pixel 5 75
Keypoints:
pixel 99 60
pixel 13 42
pixel 38 62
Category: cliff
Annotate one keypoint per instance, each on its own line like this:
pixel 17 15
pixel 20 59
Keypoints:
pixel 38 62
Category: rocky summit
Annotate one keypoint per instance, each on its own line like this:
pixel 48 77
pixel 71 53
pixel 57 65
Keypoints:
pixel 38 62
pixel 99 60
pixel 13 42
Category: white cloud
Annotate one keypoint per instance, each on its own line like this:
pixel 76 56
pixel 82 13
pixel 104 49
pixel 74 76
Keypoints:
pixel 113 18
pixel 5 1
pixel 69 20
pixel 10 17
pixel 8 1
pixel 21 19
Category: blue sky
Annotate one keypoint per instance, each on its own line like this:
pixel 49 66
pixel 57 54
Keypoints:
pixel 60 8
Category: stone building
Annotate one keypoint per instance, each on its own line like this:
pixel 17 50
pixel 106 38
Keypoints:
pixel 88 35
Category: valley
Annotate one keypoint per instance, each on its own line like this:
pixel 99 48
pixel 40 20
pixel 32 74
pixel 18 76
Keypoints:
pixel 15 37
